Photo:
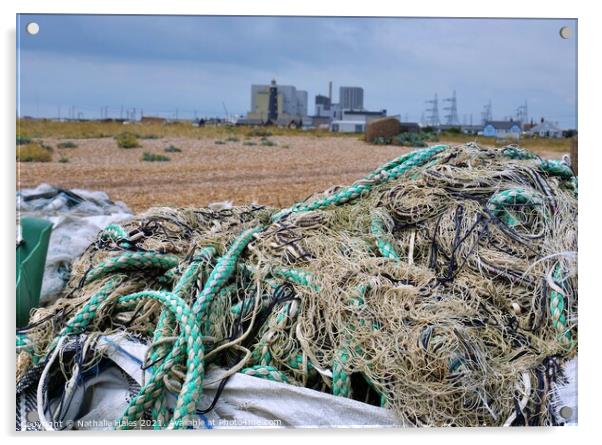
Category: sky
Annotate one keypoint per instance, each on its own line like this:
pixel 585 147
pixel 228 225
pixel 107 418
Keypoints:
pixel 200 65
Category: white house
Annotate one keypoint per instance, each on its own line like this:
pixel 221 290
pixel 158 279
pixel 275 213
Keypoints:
pixel 545 129
pixel 348 126
pixel 502 129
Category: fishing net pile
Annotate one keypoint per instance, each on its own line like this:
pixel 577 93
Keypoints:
pixel 442 285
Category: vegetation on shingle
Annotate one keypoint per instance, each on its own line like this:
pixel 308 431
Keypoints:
pixel 63 159
pixel 407 139
pixel 152 157
pixel 33 152
pixel 67 144
pixel 172 149
pixel 266 142
pixel 258 132
pixel 21 140
pixel 127 140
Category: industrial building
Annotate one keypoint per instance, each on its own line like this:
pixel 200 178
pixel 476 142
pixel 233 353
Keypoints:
pixel 323 106
pixel 278 104
pixel 346 115
pixel 355 121
pixel 351 98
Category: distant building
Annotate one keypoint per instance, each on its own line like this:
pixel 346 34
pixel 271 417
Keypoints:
pixel 323 106
pixel 362 115
pixel 355 121
pixel 348 126
pixel 302 103
pixel 545 129
pixel 502 129
pixel 351 98
pixel 282 104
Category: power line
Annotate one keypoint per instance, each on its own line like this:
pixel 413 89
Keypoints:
pixel 452 116
pixel 486 114
pixel 433 117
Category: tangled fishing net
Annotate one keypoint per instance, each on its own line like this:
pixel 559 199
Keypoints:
pixel 442 285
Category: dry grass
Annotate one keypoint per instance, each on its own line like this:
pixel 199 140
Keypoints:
pixel 33 152
pixel 96 129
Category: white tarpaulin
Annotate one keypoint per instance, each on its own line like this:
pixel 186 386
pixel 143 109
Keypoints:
pixel 246 402
pixel 77 217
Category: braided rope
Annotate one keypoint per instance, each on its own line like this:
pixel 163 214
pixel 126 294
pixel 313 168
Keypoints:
pixel 223 270
pixel 266 372
pixel 379 230
pixel 381 175
pixel 499 201
pixel 557 309
pixel 23 343
pixel 220 274
pixel 192 386
pixel 84 316
pixel 132 261
pixel 298 276
pixel 166 325
pixel 341 380
pixel 113 232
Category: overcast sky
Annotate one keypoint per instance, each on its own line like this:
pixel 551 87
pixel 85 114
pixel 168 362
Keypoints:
pixel 198 64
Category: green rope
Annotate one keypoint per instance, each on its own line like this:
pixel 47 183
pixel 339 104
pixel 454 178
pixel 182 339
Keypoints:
pixel 515 196
pixel 223 270
pixel 86 314
pixel 557 310
pixel 298 276
pixel 166 326
pixel 113 232
pixel 266 372
pixel 132 261
pixel 24 343
pixel 220 274
pixel 515 152
pixel 341 380
pixel 192 387
pixel 381 175
pixel 556 168
pixel 379 231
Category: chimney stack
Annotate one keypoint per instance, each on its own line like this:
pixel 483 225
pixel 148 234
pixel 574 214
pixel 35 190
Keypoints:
pixel 330 91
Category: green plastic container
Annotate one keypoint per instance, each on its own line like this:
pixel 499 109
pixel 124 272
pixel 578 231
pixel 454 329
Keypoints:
pixel 31 259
